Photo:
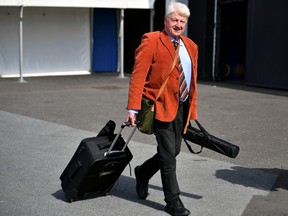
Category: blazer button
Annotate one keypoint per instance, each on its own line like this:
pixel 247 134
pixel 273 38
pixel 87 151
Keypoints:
pixel 177 78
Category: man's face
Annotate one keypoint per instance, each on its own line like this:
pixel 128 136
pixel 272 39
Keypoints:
pixel 175 24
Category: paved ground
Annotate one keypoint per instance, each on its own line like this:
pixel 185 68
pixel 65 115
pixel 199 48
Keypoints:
pixel 43 120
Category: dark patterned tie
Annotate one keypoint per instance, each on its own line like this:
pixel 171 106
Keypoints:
pixel 183 89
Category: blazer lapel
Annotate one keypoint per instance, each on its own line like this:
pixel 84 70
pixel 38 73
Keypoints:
pixel 166 41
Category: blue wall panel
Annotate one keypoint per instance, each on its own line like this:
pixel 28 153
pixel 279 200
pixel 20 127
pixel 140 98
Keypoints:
pixel 105 38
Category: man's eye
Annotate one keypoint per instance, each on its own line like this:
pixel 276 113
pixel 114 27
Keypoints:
pixel 175 21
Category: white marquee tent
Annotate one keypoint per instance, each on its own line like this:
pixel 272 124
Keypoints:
pixel 123 4
pixel 53 37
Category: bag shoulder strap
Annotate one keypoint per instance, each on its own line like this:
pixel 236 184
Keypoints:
pixel 166 80
pixel 170 70
pixel 190 148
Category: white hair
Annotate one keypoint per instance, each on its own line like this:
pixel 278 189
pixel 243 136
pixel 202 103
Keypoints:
pixel 178 7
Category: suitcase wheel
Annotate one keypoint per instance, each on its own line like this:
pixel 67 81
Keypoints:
pixel 71 195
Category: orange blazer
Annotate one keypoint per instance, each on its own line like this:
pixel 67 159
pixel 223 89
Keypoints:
pixel 153 58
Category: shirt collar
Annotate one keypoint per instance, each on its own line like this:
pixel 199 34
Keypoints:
pixel 172 38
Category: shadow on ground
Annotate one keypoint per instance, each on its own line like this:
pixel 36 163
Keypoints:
pixel 242 176
pixel 122 189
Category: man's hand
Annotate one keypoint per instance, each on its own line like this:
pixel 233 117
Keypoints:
pixel 131 117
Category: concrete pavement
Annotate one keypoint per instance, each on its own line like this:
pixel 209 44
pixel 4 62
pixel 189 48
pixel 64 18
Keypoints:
pixel 43 121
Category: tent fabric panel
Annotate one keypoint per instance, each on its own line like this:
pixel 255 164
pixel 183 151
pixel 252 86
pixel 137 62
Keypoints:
pixel 144 4
pixel 9 40
pixel 54 39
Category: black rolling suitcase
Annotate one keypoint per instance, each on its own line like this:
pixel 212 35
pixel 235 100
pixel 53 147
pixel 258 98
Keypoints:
pixel 97 164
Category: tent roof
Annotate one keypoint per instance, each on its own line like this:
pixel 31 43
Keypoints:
pixel 142 4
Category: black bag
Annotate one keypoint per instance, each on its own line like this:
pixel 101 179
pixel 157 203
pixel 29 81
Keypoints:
pixel 204 139
pixel 97 164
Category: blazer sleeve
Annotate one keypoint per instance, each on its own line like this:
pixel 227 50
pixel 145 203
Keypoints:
pixel 142 61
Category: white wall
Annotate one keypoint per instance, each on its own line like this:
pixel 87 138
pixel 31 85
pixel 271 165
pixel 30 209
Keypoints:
pixel 54 40
pixel 122 4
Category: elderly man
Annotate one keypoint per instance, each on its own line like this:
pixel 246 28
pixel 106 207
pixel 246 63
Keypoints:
pixel 176 106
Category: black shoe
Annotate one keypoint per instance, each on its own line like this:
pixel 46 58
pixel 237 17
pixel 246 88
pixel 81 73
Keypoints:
pixel 176 208
pixel 141 184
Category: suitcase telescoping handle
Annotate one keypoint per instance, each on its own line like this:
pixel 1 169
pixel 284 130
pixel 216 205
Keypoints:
pixel 110 150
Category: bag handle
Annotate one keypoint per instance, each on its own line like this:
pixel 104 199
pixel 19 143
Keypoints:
pixel 166 80
pixel 202 129
pixel 110 151
pixel 205 134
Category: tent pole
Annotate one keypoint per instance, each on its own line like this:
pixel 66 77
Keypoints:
pixel 122 44
pixel 21 80
pixel 152 14
pixel 214 41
